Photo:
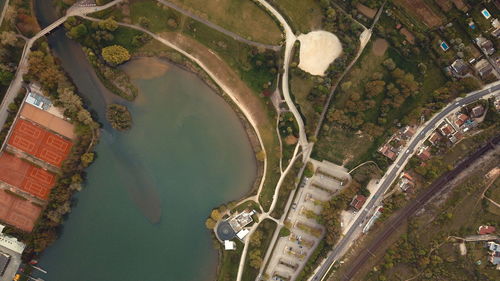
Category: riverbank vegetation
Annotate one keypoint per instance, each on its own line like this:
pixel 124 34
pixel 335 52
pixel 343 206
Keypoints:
pixel 107 45
pixel 119 117
pixel 44 69
pixel 259 242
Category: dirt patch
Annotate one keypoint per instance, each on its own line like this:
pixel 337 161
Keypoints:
pixel 145 68
pixel 409 36
pixel 366 11
pixel 423 12
pixel 380 46
pixel 290 140
pixel 318 49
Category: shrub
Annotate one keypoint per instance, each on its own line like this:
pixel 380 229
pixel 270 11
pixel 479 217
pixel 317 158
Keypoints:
pixel 119 117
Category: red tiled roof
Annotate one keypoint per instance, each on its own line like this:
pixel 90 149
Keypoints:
pixel 486 229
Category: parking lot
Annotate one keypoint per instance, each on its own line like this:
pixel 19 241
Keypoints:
pixel 292 252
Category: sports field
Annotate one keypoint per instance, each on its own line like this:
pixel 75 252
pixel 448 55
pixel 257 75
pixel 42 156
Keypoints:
pixel 18 212
pixel 25 176
pixel 39 142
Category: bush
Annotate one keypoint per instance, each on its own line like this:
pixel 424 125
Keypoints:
pixel 119 117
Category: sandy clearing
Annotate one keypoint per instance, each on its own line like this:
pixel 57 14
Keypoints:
pixel 379 47
pixel 318 49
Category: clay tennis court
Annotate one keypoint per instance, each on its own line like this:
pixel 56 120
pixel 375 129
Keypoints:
pixel 39 142
pixel 48 120
pixel 25 176
pixel 17 211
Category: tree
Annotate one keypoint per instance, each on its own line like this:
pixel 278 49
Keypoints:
pixel 8 38
pixel 108 24
pixel 256 238
pixel 87 158
pixel 6 77
pixel 215 215
pixel 255 259
pixel 210 223
pixel 78 31
pixel 115 54
pixel 119 117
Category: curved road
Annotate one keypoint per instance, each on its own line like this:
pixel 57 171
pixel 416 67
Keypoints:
pixel 219 28
pixel 394 171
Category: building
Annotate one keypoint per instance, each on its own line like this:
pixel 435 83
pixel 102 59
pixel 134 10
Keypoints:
pixel 10 242
pixel 461 119
pixel 229 245
pixel 406 182
pixel 357 202
pixel 424 153
pixel 388 151
pixel 241 220
pixel 483 68
pixel 446 129
pixel 4 262
pixel 477 111
pixel 496 33
pixel 242 234
pixel 434 138
pixel 407 132
pixel 487 47
pixel 486 229
pixel 459 67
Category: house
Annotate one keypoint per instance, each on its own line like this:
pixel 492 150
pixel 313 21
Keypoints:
pixel 446 129
pixel 406 182
pixel 424 153
pixel 486 229
pixel 461 119
pixel 477 111
pixel 388 151
pixel 496 33
pixel 357 202
pixel 456 137
pixel 495 258
pixel 459 67
pixel 229 245
pixel 434 138
pixel 407 132
pixel 483 67
pixel 487 47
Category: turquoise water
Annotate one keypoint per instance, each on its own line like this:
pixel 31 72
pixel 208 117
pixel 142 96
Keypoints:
pixel 141 215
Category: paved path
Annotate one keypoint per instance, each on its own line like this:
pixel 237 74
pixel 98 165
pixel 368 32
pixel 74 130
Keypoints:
pixel 23 66
pixel 394 170
pixel 290 40
pixel 219 28
pixel 4 10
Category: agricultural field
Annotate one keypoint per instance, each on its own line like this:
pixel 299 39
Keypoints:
pixel 423 11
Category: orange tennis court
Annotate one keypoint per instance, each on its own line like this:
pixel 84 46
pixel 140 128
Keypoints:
pixel 25 176
pixel 39 142
pixel 17 211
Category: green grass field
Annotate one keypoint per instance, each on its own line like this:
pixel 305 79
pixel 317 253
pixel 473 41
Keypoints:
pixel 240 16
pixel 306 15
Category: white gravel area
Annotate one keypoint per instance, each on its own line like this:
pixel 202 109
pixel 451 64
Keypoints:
pixel 318 49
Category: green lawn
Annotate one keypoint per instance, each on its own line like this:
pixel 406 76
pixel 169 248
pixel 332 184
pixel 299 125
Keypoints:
pixel 160 17
pixel 306 15
pixel 267 228
pixel 243 17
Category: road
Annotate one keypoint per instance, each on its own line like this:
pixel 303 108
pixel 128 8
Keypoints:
pixel 4 10
pixel 415 205
pixel 23 65
pixel 394 171
pixel 219 28
pixel 289 43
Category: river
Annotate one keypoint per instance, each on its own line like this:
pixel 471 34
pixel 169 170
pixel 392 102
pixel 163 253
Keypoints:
pixel 141 214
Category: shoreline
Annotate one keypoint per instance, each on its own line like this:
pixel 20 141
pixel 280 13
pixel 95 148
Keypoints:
pixel 249 130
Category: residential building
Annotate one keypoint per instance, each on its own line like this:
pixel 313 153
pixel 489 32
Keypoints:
pixel 424 153
pixel 241 220
pixel 487 47
pixel 434 138
pixel 446 129
pixel 357 202
pixel 388 151
pixel 483 67
pixel 486 229
pixel 459 67
pixel 461 119
pixel 477 111
pixel 496 33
